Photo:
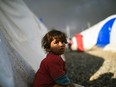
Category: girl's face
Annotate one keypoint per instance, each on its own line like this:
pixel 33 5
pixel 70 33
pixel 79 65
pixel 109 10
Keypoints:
pixel 57 47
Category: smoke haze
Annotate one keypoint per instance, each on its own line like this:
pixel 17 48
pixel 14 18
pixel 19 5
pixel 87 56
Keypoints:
pixel 77 14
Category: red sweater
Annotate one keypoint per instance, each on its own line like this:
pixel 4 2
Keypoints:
pixel 51 68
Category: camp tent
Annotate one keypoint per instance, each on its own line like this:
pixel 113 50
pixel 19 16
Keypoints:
pixel 20 38
pixel 102 34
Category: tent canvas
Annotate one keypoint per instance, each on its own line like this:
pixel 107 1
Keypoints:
pixel 104 34
pixel 21 32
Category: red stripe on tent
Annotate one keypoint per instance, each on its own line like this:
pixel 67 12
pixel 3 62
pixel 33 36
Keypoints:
pixel 79 39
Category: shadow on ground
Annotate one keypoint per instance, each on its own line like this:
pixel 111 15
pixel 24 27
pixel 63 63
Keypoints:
pixel 104 80
pixel 81 66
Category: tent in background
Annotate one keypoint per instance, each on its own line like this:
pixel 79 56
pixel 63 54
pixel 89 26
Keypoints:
pixel 102 34
pixel 20 38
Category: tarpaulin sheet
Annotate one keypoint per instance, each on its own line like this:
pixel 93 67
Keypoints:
pixel 21 31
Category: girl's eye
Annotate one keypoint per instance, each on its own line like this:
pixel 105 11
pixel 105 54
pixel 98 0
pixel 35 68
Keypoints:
pixel 56 42
pixel 64 42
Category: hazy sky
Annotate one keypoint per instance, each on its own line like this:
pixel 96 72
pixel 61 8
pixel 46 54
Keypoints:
pixel 76 14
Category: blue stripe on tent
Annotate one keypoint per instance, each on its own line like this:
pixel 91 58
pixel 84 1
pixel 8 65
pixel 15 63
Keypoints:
pixel 104 34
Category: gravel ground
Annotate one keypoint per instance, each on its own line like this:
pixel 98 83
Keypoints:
pixel 93 68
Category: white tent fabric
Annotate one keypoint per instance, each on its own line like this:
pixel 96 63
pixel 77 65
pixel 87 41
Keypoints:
pixel 14 70
pixel 90 35
pixel 22 31
pixel 6 73
pixel 106 28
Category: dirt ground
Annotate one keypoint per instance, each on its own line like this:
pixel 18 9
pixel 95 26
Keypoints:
pixel 93 68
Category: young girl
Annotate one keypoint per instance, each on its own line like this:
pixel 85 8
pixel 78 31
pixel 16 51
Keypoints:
pixel 52 71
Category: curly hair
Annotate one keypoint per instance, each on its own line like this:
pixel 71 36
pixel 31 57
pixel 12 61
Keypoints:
pixel 53 34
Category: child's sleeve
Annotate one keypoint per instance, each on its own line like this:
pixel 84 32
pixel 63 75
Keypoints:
pixel 63 80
